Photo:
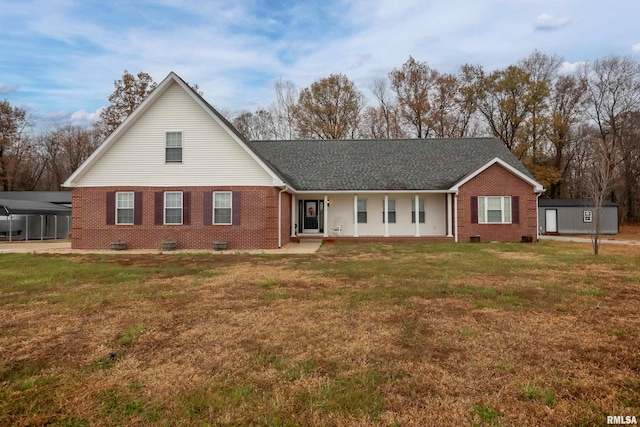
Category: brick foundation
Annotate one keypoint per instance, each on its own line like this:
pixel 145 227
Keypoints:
pixel 257 228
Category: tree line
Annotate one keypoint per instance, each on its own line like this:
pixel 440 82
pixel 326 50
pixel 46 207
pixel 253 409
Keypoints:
pixel 566 127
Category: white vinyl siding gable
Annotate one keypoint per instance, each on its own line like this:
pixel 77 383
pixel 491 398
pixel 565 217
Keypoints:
pixel 210 154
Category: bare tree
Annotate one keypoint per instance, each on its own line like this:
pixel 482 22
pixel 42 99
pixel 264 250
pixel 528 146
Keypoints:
pixel 386 117
pixel 567 104
pixel 16 148
pixel 255 126
pixel 129 92
pixel 282 111
pixel 614 95
pixel 412 85
pixel 599 183
pixel 329 109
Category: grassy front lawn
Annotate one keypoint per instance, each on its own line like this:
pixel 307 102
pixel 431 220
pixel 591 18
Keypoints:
pixel 389 335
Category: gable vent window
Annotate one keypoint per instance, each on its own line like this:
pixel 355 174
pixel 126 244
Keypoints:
pixel 174 147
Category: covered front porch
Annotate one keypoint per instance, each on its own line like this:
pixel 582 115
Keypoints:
pixel 366 215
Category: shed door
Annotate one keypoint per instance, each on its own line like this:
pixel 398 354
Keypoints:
pixel 551 223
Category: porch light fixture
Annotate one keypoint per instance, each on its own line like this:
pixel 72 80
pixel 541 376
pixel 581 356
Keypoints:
pixel 328 202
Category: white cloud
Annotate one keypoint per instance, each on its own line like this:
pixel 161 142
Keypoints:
pixel 568 68
pixel 55 118
pixel 82 118
pixel 234 50
pixel 547 22
pixel 5 88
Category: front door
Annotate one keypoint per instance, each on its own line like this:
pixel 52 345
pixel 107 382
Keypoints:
pixel 311 223
pixel 551 220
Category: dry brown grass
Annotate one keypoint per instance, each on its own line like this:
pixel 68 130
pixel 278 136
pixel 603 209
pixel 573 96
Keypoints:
pixel 373 335
pixel 628 232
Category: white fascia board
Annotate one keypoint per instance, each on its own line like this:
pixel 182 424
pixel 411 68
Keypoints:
pixel 373 191
pixel 496 160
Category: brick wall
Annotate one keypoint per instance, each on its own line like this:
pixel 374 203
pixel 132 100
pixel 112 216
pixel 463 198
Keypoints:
pixel 497 181
pixel 258 220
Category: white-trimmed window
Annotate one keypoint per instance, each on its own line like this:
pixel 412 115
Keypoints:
pixel 362 211
pixel 124 207
pixel 222 208
pixel 421 215
pixel 173 207
pixel 494 210
pixel 173 147
pixel 392 211
pixel 587 216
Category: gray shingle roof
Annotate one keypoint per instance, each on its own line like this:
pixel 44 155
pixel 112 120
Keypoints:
pixel 552 203
pixel 30 207
pixel 390 164
pixel 59 197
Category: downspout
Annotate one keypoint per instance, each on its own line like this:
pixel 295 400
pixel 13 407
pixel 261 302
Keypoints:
pixel 455 217
pixel 537 218
pixel 280 215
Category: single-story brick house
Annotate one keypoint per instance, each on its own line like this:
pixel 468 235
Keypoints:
pixel 176 169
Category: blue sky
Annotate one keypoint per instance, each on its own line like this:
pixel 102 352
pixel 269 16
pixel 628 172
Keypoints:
pixel 59 58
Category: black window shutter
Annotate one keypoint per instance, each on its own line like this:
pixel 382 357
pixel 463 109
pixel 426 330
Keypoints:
pixel 474 209
pixel 207 208
pixel 515 209
pixel 159 207
pixel 111 207
pixel 186 208
pixel 137 208
pixel 236 207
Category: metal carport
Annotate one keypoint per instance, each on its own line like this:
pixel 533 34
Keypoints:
pixel 54 219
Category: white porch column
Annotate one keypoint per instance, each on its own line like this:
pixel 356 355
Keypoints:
pixel 26 227
pixel 41 227
pixel 325 217
pixel 55 227
pixel 455 218
pixel 449 222
pixel 355 215
pixel 416 208
pixel 294 217
pixel 386 215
